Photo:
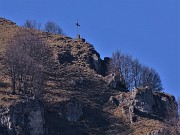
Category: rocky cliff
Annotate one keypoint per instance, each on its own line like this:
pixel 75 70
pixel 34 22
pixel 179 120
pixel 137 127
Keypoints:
pixel 23 117
pixel 80 99
pixel 148 104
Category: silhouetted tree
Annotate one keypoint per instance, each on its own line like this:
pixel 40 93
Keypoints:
pixel 134 73
pixel 26 59
pixel 53 27
pixel 32 24
pixel 151 78
pixel 123 63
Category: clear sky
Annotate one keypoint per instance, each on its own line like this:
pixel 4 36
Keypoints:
pixel 146 29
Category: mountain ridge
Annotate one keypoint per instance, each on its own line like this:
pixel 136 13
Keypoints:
pixel 78 98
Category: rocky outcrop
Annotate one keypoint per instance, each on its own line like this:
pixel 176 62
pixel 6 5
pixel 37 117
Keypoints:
pixel 146 103
pixel 105 66
pixel 143 100
pixel 156 104
pixel 96 62
pixel 166 107
pixel 23 117
pixel 116 81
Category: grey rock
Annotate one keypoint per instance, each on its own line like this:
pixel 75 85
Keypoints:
pixel 146 103
pixel 25 116
pixel 74 110
pixel 115 81
pixel 143 100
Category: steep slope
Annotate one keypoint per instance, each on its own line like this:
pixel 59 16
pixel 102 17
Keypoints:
pixel 79 100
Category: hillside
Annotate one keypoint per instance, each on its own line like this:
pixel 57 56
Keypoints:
pixel 79 99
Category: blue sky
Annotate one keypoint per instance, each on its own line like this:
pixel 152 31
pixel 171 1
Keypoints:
pixel 146 29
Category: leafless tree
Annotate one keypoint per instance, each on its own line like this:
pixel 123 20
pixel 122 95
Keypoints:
pixel 134 73
pixel 53 27
pixel 151 78
pixel 32 24
pixel 26 59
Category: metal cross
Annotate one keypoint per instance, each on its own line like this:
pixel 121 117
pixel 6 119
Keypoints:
pixel 78 25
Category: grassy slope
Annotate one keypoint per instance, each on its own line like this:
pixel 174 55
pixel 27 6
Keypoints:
pixel 99 117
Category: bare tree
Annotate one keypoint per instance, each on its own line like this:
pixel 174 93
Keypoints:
pixel 53 27
pixel 32 24
pixel 151 78
pixel 9 61
pixel 134 73
pixel 26 59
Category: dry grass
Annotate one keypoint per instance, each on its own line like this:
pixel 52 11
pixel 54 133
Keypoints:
pixel 93 92
pixel 6 98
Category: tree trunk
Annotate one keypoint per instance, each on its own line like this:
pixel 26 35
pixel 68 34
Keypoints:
pixel 13 85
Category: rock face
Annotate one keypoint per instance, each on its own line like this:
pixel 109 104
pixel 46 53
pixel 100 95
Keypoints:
pixel 24 117
pixel 166 107
pixel 96 62
pixel 116 82
pixel 105 66
pixel 74 110
pixel 149 104
pixel 143 101
pixel 156 104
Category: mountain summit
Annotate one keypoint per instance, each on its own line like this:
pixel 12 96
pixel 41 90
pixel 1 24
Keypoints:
pixel 80 97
